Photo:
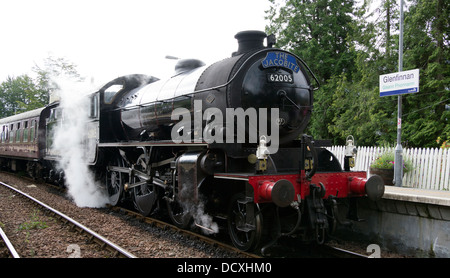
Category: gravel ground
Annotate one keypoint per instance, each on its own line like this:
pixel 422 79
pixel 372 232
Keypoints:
pixel 55 240
pixel 37 235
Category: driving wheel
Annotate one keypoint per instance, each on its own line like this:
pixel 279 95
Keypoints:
pixel 114 181
pixel 145 193
pixel 244 226
pixel 179 212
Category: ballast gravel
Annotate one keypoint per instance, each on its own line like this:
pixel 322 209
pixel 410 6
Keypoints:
pixel 38 235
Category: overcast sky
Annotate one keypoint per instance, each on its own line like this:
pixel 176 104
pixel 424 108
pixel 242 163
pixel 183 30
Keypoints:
pixel 110 38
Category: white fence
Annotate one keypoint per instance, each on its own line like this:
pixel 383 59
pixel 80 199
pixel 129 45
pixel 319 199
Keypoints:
pixel 431 166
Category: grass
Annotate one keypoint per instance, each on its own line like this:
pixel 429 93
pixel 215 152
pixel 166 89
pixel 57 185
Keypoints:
pixel 34 223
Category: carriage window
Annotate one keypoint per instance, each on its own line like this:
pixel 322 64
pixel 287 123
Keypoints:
pixel 18 133
pixel 25 131
pixel 32 130
pixel 11 134
pixel 3 134
pixel 6 134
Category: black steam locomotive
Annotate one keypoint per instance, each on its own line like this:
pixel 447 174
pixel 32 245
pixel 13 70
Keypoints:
pixel 227 137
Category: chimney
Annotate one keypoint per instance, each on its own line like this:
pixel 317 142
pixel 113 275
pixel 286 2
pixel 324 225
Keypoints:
pixel 249 40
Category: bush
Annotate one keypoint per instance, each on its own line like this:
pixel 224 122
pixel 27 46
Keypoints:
pixel 386 161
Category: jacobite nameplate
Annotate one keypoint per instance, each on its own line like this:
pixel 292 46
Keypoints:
pixel 280 59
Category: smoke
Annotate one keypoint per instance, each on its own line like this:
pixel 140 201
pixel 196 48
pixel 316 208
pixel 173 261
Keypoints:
pixel 68 142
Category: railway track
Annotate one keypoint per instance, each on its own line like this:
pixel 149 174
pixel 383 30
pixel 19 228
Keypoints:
pixel 341 253
pixel 319 250
pixel 10 251
pixel 92 236
pixel 165 225
pixel 187 234
pixel 142 239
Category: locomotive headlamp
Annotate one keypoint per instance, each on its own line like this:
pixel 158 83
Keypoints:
pixel 262 152
pixel 350 152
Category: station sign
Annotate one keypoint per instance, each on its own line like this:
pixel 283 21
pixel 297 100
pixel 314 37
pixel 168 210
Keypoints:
pixel 398 83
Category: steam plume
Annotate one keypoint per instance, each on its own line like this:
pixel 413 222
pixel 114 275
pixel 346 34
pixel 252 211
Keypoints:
pixel 204 220
pixel 68 143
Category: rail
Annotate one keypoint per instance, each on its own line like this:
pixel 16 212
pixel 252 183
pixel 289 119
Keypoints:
pixel 120 250
pixel 165 225
pixel 339 252
pixel 9 245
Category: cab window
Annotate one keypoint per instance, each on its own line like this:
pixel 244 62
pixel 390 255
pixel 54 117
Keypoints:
pixel 111 92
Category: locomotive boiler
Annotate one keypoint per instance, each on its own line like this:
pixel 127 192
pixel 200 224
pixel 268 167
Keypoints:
pixel 227 141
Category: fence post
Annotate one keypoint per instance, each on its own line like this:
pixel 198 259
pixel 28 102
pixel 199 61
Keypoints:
pixel 445 170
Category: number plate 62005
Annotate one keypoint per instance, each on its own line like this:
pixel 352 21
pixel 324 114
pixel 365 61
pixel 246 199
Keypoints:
pixel 280 78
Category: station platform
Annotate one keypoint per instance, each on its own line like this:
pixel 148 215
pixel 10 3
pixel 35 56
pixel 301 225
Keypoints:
pixel 411 221
pixel 425 196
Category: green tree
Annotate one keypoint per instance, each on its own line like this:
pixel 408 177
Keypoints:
pixel 53 69
pixel 349 48
pixel 23 93
pixel 318 31
pixel 362 113
pixel 427 48
pixel 20 94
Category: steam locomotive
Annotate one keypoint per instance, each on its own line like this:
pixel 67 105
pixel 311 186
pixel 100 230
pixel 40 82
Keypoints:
pixel 227 137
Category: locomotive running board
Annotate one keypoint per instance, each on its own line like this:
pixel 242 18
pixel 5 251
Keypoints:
pixel 232 176
pixel 164 143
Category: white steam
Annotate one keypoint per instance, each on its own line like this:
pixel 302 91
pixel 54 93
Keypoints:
pixel 204 221
pixel 196 209
pixel 68 143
